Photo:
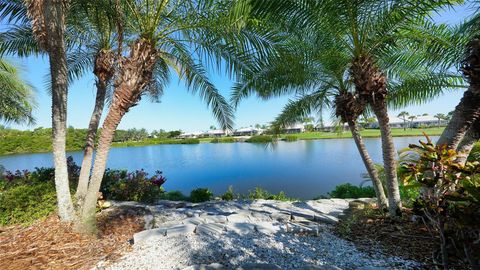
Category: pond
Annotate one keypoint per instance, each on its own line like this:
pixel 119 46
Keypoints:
pixel 303 169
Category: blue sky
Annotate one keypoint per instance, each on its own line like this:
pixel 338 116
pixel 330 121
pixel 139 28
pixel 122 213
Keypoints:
pixel 179 109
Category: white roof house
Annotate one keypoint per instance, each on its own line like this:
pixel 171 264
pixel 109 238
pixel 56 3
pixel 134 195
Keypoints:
pixel 421 120
pixel 216 133
pixel 194 134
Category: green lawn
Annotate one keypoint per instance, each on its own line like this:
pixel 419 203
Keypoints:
pixel 369 133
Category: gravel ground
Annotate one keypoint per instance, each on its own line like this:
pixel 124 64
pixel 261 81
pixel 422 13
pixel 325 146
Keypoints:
pixel 288 251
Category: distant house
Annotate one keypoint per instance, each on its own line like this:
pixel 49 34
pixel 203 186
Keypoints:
pixel 298 128
pixel 195 134
pixel 249 131
pixel 216 133
pixel 419 121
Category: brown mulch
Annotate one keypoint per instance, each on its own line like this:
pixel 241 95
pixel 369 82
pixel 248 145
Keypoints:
pixel 406 237
pixel 51 244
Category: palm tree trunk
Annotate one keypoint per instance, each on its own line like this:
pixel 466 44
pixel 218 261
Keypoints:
pixel 114 116
pixel 466 112
pixel 389 158
pixel 90 141
pixel 372 171
pixel 135 74
pixel 466 145
pixel 55 29
pixel 104 71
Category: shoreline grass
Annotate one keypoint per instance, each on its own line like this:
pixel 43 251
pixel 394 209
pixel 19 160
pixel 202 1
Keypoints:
pixel 316 135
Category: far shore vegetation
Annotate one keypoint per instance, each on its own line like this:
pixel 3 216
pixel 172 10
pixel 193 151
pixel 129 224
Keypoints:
pixel 39 140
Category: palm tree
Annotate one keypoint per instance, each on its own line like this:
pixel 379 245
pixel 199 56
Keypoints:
pixel 412 117
pixel 404 115
pixel 440 117
pixel 457 48
pixel 311 73
pixel 165 36
pixel 47 20
pixel 380 53
pixel 16 96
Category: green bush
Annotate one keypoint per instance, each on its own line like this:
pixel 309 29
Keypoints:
pixel 136 186
pixel 290 138
pixel 260 193
pixel 349 191
pixel 229 194
pixel 26 203
pixel 223 140
pixel 475 153
pixel 174 195
pixel 201 195
pixel 260 139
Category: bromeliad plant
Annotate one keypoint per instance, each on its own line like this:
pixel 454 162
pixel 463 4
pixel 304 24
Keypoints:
pixel 449 200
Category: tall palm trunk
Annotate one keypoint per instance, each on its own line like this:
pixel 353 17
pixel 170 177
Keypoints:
pixel 465 114
pixel 48 24
pixel 466 145
pixel 371 85
pixel 370 165
pixel 348 107
pixel 389 158
pixel 135 74
pixel 468 110
pixel 104 71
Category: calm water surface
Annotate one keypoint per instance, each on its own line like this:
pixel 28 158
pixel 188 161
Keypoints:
pixel 304 169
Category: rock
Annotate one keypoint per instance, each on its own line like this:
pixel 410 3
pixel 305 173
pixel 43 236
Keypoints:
pixel 281 216
pixel 149 220
pixel 215 219
pixel 193 221
pixel 258 266
pixel 371 268
pixel 320 267
pixel 325 219
pixel 213 266
pixel 180 229
pixel 142 236
pixel 211 228
pixel 238 218
pixel 311 229
pixel 356 205
pixel 266 227
pixel 240 227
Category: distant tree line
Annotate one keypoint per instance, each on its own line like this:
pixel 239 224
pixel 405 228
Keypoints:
pixel 39 140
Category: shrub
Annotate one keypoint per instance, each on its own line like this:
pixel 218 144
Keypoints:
pixel 134 186
pixel 201 195
pixel 174 195
pixel 290 138
pixel 349 191
pixel 260 139
pixel 449 201
pixel 223 140
pixel 27 203
pixel 475 153
pixel 260 193
pixel 229 194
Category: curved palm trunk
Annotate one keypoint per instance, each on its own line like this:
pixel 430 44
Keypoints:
pixel 104 71
pixel 371 85
pixel 90 141
pixel 370 165
pixel 466 112
pixel 466 145
pixel 389 158
pixel 135 75
pixel 54 23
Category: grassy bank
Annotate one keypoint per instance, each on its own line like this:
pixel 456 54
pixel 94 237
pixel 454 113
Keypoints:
pixel 39 141
pixel 369 133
